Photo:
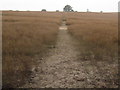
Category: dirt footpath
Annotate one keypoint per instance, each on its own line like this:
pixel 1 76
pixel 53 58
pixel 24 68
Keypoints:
pixel 63 69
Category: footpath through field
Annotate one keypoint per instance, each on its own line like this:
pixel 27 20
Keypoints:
pixel 63 69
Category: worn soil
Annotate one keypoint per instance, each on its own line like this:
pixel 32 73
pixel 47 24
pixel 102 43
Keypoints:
pixel 63 69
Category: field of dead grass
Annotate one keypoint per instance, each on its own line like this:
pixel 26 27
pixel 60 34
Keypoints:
pixel 98 32
pixel 25 34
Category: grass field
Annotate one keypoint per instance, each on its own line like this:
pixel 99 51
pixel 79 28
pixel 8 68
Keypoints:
pixel 98 32
pixel 25 34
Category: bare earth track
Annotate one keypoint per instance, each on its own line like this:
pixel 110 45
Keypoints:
pixel 62 69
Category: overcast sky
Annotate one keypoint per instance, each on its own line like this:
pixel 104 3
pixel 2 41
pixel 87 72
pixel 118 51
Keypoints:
pixel 52 5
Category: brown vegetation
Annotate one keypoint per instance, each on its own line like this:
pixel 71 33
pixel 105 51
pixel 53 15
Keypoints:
pixel 25 34
pixel 98 32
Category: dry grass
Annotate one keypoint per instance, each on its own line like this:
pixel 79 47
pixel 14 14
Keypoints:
pixel 25 34
pixel 97 31
pixel 97 34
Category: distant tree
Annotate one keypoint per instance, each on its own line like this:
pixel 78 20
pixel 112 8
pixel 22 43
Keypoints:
pixel 44 10
pixel 67 8
pixel 57 10
pixel 72 10
pixel 101 11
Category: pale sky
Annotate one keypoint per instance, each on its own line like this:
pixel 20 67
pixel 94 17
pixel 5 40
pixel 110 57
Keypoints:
pixel 53 5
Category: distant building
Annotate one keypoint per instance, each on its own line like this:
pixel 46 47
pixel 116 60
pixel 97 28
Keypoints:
pixel 88 10
pixel 68 8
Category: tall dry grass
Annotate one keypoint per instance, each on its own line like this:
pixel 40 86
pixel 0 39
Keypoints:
pixel 97 34
pixel 97 31
pixel 25 35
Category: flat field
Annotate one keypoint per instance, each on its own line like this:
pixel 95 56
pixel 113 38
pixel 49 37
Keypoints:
pixel 97 31
pixel 25 35
pixel 91 39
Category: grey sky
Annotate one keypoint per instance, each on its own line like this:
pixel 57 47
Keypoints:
pixel 52 5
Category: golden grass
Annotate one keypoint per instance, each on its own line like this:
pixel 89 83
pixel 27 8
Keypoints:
pixel 98 32
pixel 25 34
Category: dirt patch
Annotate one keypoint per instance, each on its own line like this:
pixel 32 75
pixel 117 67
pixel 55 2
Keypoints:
pixel 63 69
